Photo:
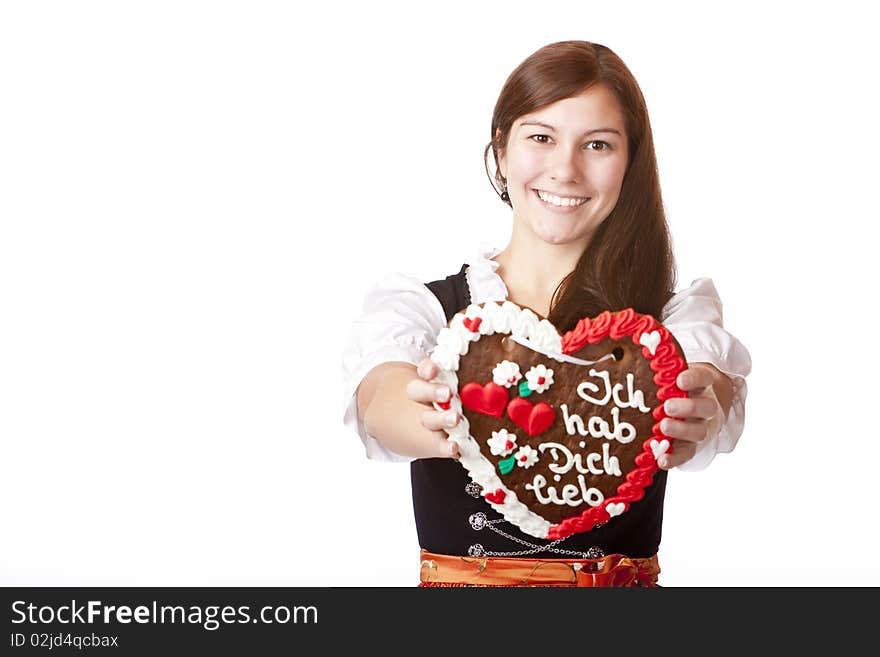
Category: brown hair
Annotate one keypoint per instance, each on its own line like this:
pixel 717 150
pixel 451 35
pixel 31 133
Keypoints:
pixel 629 261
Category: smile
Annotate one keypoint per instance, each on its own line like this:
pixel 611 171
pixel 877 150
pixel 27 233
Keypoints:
pixel 560 201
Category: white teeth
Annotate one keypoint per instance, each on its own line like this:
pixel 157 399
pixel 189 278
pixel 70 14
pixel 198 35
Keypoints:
pixel 559 201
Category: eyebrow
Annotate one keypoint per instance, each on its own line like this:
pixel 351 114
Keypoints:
pixel 550 127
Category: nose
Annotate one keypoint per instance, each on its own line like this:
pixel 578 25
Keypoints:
pixel 565 165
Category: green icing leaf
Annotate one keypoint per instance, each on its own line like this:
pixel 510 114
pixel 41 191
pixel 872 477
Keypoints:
pixel 506 465
pixel 524 390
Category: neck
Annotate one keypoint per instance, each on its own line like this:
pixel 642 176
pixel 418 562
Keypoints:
pixel 532 270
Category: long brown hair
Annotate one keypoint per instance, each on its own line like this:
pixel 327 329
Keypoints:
pixel 629 261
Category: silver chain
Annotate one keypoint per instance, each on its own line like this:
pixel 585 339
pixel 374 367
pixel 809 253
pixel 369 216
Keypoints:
pixel 534 548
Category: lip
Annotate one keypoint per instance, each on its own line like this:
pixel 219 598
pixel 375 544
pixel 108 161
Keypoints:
pixel 560 210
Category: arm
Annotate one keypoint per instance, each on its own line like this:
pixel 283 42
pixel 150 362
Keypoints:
pixel 713 417
pixel 394 332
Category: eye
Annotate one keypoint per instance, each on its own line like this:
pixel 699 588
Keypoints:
pixel 605 145
pixel 540 142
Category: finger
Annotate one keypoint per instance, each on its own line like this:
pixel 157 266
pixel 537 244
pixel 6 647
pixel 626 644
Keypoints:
pixel 692 431
pixel 694 379
pixel 681 453
pixel 427 393
pixel 442 447
pixel 439 420
pixel 703 408
pixel 439 446
pixel 427 369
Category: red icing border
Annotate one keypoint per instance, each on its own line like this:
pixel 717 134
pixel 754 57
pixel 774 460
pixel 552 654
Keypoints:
pixel 667 365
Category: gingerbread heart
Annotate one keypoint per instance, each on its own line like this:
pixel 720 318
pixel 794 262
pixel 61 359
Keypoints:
pixel 562 432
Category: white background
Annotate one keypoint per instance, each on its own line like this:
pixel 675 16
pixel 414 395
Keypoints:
pixel 195 196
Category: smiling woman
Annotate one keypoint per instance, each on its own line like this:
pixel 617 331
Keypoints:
pixel 575 161
pixel 571 121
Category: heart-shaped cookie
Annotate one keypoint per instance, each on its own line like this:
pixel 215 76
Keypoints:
pixel 562 432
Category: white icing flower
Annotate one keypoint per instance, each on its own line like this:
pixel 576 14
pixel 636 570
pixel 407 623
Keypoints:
pixel 540 378
pixel 502 443
pixel 445 358
pixel 526 457
pixel 546 337
pixel 506 373
pixel 453 340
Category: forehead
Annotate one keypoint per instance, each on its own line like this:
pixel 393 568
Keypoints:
pixel 597 107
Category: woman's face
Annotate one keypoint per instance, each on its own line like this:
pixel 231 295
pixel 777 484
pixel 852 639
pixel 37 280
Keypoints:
pixel 580 152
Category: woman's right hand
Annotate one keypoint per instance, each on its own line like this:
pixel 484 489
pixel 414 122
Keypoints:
pixel 421 390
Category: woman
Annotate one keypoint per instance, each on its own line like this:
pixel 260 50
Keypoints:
pixel 575 161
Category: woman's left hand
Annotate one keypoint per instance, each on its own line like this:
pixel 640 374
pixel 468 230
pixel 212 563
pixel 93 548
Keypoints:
pixel 699 414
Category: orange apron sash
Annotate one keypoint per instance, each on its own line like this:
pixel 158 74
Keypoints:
pixel 610 570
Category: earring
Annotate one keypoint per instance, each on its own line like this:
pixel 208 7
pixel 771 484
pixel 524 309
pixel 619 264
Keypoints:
pixel 505 196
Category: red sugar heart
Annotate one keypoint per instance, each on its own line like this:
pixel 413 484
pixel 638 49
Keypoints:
pixel 472 325
pixel 489 399
pixel 534 418
pixel 497 497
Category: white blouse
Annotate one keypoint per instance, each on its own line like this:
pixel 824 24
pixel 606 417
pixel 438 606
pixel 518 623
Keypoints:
pixel 401 318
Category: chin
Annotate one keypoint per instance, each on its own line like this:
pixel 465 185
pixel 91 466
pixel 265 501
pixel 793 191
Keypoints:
pixel 558 235
pixel 557 239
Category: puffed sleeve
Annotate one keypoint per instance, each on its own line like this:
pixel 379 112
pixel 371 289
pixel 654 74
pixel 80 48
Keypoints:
pixel 399 321
pixel 694 317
